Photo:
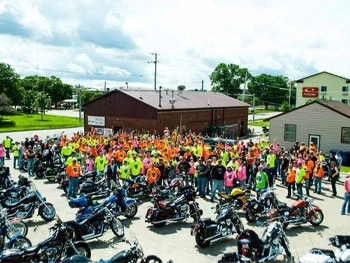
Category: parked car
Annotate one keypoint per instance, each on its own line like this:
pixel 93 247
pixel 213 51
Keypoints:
pixel 214 141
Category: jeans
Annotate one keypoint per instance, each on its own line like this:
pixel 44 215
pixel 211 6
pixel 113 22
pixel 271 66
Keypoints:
pixel 217 185
pixel 209 185
pixel 283 177
pixel 346 202
pixel 228 189
pixel 290 186
pixel 7 153
pixel 20 160
pixel 307 186
pixel 318 185
pixel 72 187
pixel 300 190
pixel 334 186
pixel 30 166
pixel 202 183
pixel 15 161
pixel 2 161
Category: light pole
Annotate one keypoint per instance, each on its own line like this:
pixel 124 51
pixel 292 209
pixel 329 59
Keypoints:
pixel 79 104
pixel 127 85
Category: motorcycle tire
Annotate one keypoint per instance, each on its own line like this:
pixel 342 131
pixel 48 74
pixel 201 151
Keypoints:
pixel 39 174
pixel 152 259
pixel 316 218
pixel 200 241
pixel 19 242
pixel 25 165
pixel 250 216
pixel 51 178
pixel 47 212
pixel 18 228
pixel 285 245
pixel 131 210
pixel 82 248
pixel 239 227
pixel 117 227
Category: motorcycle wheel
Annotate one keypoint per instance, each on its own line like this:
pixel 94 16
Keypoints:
pixel 316 218
pixel 25 166
pixel 19 228
pixel 239 227
pixel 47 212
pixel 131 210
pixel 117 227
pixel 200 241
pixel 51 179
pixel 19 242
pixel 152 258
pixel 82 248
pixel 285 245
pixel 250 216
pixel 39 174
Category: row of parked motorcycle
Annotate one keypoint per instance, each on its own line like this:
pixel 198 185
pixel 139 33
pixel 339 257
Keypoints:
pixel 19 201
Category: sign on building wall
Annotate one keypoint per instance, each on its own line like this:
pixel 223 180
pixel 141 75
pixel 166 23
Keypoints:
pixel 310 92
pixel 96 121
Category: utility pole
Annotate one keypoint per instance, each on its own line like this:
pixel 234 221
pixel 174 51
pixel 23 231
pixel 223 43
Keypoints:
pixel 290 92
pixel 245 84
pixel 79 103
pixel 155 68
pixel 202 85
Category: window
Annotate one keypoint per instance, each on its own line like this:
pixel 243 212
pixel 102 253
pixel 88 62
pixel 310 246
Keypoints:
pixel 345 89
pixel 345 101
pixel 345 135
pixel 323 88
pixel 290 131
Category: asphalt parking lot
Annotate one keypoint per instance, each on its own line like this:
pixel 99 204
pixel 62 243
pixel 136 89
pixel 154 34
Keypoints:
pixel 174 241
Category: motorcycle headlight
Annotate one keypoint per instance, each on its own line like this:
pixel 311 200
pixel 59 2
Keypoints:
pixel 228 221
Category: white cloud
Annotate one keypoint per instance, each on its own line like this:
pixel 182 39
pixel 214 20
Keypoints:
pixel 114 39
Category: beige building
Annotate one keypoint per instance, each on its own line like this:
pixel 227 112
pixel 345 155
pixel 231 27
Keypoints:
pixel 323 85
pixel 324 123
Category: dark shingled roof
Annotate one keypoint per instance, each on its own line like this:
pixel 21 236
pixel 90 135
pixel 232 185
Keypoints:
pixel 185 99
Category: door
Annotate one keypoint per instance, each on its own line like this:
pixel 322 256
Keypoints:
pixel 315 140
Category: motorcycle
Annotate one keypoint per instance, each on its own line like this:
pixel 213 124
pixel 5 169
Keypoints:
pixel 300 212
pixel 5 178
pixel 133 254
pixel 226 223
pixel 182 208
pixel 137 187
pixel 15 192
pixel 272 243
pixel 59 245
pixel 238 195
pixel 89 187
pixel 94 220
pixel 342 242
pixel 120 204
pixel 7 229
pixel 26 206
pixel 16 226
pixel 260 207
pixel 233 258
pixel 52 173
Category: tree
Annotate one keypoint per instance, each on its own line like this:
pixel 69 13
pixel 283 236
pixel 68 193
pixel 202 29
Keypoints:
pixel 5 103
pixel 10 84
pixel 269 89
pixel 28 101
pixel 229 78
pixel 42 103
pixel 87 96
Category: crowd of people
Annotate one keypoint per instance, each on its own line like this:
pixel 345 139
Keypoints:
pixel 209 169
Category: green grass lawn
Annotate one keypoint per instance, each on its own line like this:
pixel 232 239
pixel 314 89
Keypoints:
pixel 25 122
pixel 259 123
pixel 345 169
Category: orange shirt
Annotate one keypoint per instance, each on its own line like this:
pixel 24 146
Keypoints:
pixel 73 170
pixel 120 155
pixel 153 175
pixel 291 176
pixel 318 173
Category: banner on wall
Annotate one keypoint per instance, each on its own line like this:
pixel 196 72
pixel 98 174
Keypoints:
pixel 96 121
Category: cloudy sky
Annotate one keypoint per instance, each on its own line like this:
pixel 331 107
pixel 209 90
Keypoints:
pixel 90 42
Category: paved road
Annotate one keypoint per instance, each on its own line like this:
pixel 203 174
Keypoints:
pixel 174 240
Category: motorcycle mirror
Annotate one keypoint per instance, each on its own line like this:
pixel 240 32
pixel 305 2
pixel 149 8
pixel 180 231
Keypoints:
pixel 59 221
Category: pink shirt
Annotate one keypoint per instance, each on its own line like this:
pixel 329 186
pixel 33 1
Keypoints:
pixel 229 178
pixel 241 173
pixel 347 185
pixel 2 151
pixel 89 165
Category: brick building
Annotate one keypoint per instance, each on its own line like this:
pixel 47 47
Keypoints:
pixel 154 110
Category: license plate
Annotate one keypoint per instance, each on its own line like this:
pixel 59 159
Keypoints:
pixel 245 245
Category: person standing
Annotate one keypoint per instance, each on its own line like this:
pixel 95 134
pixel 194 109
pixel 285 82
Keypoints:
pixel 334 177
pixel 15 155
pixel 73 171
pixel 261 180
pixel 111 171
pixel 30 159
pixel 7 145
pixel 100 164
pixel 217 174
pixel 2 154
pixel 153 174
pixel 318 175
pixel 299 180
pixel 241 173
pixel 290 180
pixel 284 168
pixel 230 178
pixel 346 195
pixel 202 170
pixel 20 155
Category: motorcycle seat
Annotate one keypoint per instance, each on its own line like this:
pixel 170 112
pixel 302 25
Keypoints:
pixel 207 220
pixel 281 205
